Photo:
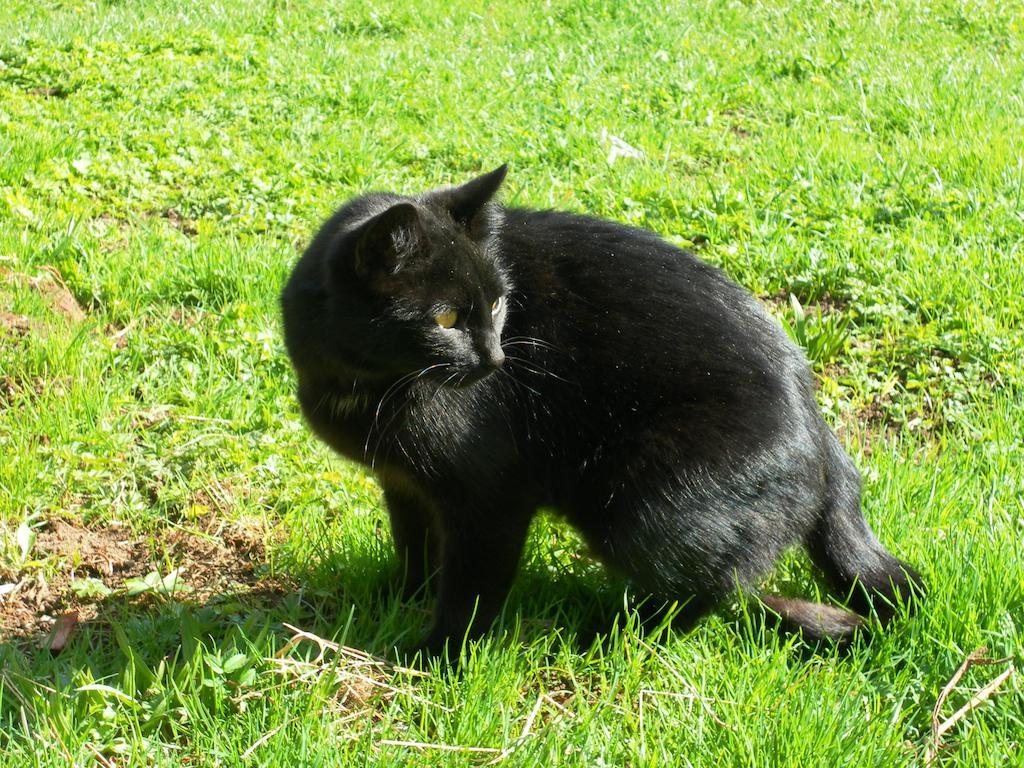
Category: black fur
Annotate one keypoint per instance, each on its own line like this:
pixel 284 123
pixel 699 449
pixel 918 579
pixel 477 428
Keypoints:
pixel 621 381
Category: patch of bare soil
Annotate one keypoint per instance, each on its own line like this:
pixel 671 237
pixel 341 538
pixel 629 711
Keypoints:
pixel 111 232
pixel 825 304
pixel 19 325
pixel 51 92
pixel 869 421
pixel 738 122
pixel 184 225
pixel 52 288
pixel 12 386
pixel 873 415
pixel 92 552
pixel 216 560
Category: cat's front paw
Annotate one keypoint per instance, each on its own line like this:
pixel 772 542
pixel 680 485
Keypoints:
pixel 439 645
pixel 412 590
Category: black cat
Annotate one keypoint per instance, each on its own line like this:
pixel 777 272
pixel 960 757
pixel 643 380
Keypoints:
pixel 485 361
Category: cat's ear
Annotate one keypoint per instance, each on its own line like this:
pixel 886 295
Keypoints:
pixel 387 240
pixel 465 203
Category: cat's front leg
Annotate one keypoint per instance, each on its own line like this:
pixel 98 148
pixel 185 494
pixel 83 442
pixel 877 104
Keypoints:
pixel 480 556
pixel 417 538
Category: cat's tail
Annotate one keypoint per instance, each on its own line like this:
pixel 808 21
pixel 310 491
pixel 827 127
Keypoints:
pixel 847 550
pixel 854 561
pixel 814 621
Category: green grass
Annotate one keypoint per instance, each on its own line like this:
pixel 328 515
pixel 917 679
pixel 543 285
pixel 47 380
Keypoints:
pixel 169 160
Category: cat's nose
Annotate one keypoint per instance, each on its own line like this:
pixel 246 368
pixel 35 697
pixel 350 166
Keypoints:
pixel 494 358
pixel 491 354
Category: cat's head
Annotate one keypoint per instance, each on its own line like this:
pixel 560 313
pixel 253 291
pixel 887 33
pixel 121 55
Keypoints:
pixel 409 285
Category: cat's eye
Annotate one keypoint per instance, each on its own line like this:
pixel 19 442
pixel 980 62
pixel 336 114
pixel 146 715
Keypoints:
pixel 496 305
pixel 447 319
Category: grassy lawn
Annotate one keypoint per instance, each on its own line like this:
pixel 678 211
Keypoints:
pixel 163 163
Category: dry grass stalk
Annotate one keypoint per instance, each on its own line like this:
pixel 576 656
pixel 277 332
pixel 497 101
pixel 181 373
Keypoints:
pixel 261 741
pixel 691 692
pixel 355 672
pixel 977 657
pixel 561 707
pixel 100 758
pixel 524 734
pixel 440 747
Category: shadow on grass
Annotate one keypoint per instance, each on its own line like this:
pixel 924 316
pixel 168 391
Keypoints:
pixel 351 598
pixel 171 653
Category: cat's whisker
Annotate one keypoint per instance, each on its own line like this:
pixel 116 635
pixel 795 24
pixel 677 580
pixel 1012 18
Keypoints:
pixel 391 392
pixel 527 365
pixel 532 341
pixel 383 433
pixel 394 388
pixel 323 399
pixel 536 368
pixel 518 383
pixel 514 302
pixel 443 384
pixel 415 376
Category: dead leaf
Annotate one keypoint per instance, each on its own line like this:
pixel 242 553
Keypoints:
pixel 62 630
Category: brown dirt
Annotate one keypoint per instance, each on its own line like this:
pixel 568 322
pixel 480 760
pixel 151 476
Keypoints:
pixel 19 325
pixel 825 304
pixel 869 420
pixel 871 417
pixel 737 121
pixel 51 92
pixel 150 417
pixel 179 222
pixel 112 232
pixel 213 558
pixel 8 389
pixel 51 287
pixel 12 386
pixel 101 552
pixel 188 317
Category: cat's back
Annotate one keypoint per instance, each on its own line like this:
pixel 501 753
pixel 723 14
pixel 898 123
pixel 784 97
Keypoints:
pixel 600 280
pixel 645 327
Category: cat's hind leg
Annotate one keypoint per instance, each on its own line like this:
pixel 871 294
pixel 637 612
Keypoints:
pixel 686 532
pixel 696 530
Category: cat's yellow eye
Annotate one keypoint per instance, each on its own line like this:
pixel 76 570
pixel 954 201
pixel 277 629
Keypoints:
pixel 496 305
pixel 447 319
